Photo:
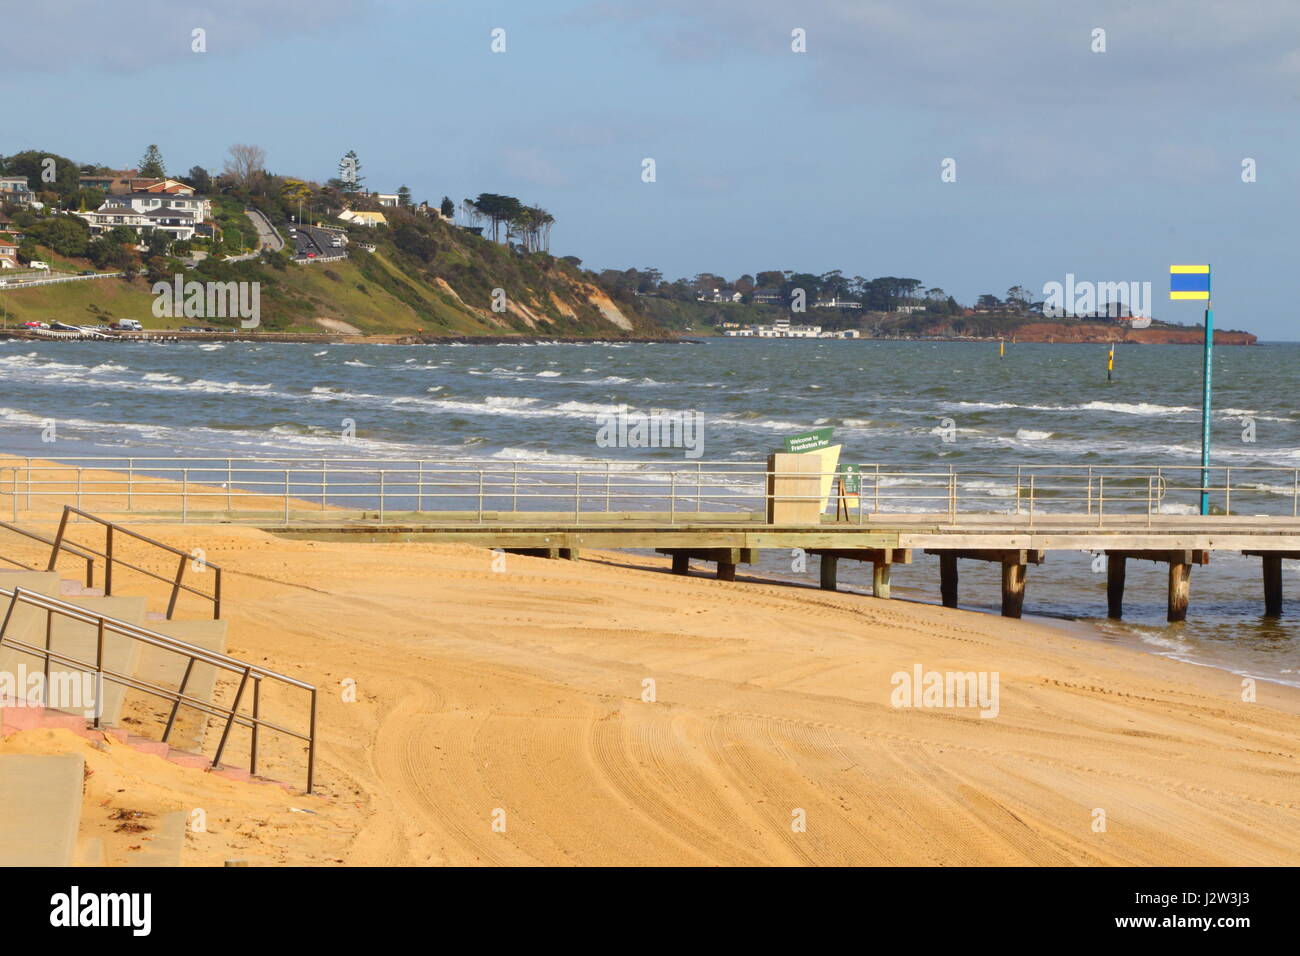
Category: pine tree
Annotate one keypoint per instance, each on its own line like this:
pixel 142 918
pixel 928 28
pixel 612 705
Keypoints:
pixel 152 165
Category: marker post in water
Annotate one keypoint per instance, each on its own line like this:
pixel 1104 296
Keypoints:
pixel 1110 363
pixel 1193 282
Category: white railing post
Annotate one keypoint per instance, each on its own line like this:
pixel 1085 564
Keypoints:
pixel 230 484
pixel 480 496
pixel 185 495
pixel 672 498
pixel 1227 491
pixel 382 477
pixel 286 497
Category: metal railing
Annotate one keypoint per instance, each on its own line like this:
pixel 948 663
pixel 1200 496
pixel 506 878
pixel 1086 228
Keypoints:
pixel 293 491
pixel 111 531
pixel 42 539
pixel 105 626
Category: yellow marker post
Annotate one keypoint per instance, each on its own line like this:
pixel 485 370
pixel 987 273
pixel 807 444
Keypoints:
pixel 1110 363
pixel 1002 348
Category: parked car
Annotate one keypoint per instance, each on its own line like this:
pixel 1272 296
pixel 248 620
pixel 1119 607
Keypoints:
pixel 127 325
pixel 35 325
pixel 64 327
pixel 86 272
pixel 35 264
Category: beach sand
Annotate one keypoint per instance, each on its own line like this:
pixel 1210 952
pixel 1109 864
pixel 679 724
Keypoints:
pixel 500 717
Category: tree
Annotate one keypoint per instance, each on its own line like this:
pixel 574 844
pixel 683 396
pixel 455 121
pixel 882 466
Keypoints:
pixel 770 279
pixel 498 209
pixel 200 179
pixel 350 178
pixel 1019 297
pixel 448 207
pixel 245 164
pixel 152 165
pixel 403 196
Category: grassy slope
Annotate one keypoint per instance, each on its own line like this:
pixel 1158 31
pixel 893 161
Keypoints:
pixel 381 293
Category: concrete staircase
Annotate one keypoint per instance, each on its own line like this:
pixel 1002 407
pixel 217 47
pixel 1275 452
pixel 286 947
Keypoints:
pixel 41 796
pixel 40 808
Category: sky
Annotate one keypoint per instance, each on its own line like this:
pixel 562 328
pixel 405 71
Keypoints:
pixel 1108 164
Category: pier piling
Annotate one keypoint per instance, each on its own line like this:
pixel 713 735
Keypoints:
pixel 1116 571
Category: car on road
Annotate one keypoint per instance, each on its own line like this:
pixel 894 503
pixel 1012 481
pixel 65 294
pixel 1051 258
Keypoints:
pixel 35 325
pixel 64 327
pixel 127 325
pixel 86 272
pixel 35 264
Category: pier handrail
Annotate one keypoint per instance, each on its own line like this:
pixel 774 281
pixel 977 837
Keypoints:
pixel 296 490
pixel 110 559
pixel 108 625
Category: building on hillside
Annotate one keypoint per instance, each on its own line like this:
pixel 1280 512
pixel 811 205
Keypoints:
pixel 765 297
pixel 909 309
pixel 391 200
pixel 364 218
pixel 169 187
pixel 179 224
pixel 175 211
pixel 717 295
pixel 114 182
pixel 14 189
pixel 836 303
pixel 8 252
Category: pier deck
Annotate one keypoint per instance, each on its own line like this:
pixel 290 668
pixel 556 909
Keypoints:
pixel 1013 541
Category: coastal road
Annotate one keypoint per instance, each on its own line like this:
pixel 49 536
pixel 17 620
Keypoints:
pixel 266 234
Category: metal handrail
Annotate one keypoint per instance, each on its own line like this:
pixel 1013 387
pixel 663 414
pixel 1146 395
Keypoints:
pixel 37 536
pixel 105 624
pixel 110 529
pixel 259 487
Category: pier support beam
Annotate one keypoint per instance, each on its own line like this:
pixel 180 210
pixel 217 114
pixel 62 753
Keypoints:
pixel 948 578
pixel 1180 578
pixel 1272 567
pixel 1272 585
pixel 882 559
pixel 1013 588
pixel 568 554
pixel 1116 570
pixel 726 558
pixel 1180 589
pixel 1013 563
pixel 880 579
pixel 830 565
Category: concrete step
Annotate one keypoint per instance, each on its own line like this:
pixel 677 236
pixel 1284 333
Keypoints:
pixel 40 808
pixel 167 668
pixel 27 623
pixel 161 846
pixel 77 640
pixel 69 588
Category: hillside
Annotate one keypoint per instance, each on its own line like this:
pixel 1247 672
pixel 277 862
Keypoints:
pixel 423 276
pixel 707 318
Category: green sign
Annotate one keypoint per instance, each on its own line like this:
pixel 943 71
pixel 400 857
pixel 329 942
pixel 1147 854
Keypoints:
pixel 852 479
pixel 809 441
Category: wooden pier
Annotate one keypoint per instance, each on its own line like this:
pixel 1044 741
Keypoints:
pixel 1015 542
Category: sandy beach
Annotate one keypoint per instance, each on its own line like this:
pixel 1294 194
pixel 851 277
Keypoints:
pixel 515 710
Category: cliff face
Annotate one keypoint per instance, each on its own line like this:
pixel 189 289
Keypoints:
pixel 1102 333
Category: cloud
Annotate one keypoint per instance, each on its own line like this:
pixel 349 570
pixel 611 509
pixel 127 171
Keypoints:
pixel 955 55
pixel 136 35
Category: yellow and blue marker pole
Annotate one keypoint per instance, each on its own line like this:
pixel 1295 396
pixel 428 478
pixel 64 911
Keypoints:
pixel 1205 401
pixel 1193 282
